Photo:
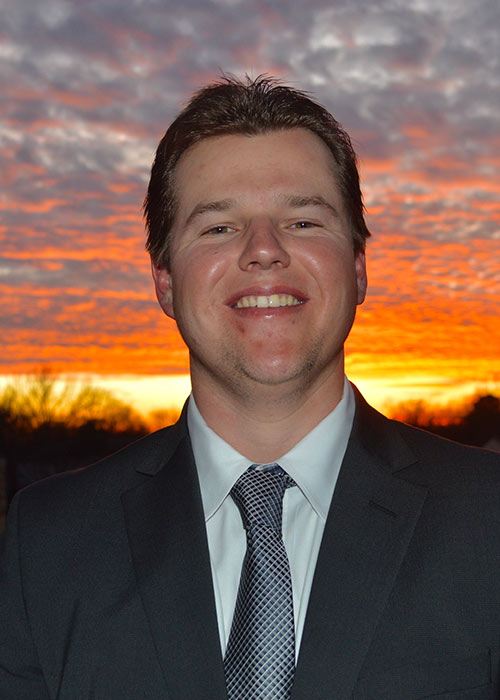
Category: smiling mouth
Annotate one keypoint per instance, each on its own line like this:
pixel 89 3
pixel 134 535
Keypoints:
pixel 265 302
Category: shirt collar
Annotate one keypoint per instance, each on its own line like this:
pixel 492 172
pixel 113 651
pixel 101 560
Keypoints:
pixel 313 463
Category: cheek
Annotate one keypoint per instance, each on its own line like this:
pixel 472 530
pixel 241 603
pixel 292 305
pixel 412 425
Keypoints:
pixel 332 266
pixel 196 278
pixel 201 267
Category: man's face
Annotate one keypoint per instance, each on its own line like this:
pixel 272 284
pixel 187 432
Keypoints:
pixel 263 281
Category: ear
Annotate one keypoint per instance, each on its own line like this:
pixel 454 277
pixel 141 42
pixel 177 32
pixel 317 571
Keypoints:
pixel 163 286
pixel 361 279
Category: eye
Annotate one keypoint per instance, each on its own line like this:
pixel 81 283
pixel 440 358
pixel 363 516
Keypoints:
pixel 218 230
pixel 303 224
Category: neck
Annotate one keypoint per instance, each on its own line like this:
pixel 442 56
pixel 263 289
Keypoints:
pixel 267 422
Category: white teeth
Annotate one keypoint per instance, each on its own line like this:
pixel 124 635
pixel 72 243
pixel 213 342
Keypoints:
pixel 264 302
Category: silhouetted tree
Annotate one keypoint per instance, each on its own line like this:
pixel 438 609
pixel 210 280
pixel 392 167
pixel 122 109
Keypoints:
pixel 476 422
pixel 482 423
pixel 162 417
pixel 415 412
pixel 48 424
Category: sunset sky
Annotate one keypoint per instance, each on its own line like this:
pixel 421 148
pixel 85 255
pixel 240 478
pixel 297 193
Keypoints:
pixel 87 90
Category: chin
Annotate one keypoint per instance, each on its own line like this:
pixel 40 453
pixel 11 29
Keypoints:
pixel 275 373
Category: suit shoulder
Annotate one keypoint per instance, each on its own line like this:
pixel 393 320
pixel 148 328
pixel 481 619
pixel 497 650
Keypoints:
pixel 448 450
pixel 454 473
pixel 68 495
pixel 421 456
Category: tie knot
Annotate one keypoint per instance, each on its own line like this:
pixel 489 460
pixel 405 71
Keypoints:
pixel 259 496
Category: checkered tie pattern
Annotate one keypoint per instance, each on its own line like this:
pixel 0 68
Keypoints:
pixel 260 657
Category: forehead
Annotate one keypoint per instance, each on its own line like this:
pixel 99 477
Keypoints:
pixel 258 164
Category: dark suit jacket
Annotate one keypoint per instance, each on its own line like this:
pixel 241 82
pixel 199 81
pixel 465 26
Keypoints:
pixel 106 587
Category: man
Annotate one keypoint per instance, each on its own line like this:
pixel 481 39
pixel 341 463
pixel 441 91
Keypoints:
pixel 283 539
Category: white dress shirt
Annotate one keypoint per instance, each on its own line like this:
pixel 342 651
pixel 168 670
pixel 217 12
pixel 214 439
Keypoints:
pixel 313 463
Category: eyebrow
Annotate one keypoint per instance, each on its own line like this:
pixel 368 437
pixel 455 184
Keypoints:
pixel 204 207
pixel 298 201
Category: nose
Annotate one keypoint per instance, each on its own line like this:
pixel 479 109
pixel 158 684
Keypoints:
pixel 263 248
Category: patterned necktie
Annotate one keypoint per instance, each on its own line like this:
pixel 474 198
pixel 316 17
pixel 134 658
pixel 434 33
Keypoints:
pixel 260 657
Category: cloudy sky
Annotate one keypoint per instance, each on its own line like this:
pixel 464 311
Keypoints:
pixel 87 90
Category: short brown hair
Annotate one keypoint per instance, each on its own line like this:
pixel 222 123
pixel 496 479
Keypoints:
pixel 251 107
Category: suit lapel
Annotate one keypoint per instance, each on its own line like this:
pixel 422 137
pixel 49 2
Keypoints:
pixel 169 549
pixel 371 521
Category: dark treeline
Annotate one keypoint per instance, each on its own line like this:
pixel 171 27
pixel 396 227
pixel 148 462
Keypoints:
pixel 48 425
pixel 476 422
